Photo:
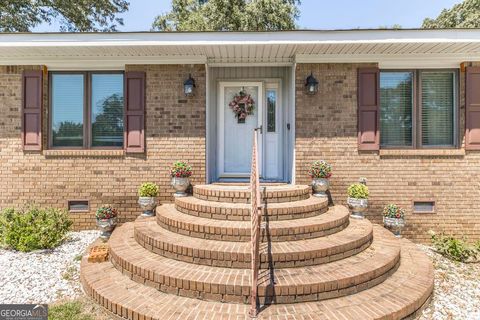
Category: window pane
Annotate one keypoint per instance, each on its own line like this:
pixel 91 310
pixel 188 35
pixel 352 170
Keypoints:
pixel 107 110
pixel 67 110
pixel 396 105
pixel 271 109
pixel 437 108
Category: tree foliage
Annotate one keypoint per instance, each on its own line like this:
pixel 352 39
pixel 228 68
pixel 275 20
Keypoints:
pixel 79 15
pixel 462 15
pixel 229 15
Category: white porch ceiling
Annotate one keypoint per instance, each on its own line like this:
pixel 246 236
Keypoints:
pixel 390 48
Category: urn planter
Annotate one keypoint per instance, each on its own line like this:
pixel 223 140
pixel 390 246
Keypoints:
pixel 320 187
pixel 358 207
pixel 180 185
pixel 106 226
pixel 395 225
pixel 148 205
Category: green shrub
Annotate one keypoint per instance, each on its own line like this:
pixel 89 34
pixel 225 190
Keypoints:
pixel 320 169
pixel 358 191
pixel 181 169
pixel 454 249
pixel 33 228
pixel 393 211
pixel 107 211
pixel 72 310
pixel 148 189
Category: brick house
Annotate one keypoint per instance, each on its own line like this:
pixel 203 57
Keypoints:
pixel 86 118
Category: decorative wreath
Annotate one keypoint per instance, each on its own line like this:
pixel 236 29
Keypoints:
pixel 242 105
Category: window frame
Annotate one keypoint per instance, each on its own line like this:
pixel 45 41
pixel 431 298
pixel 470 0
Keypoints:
pixel 87 110
pixel 417 109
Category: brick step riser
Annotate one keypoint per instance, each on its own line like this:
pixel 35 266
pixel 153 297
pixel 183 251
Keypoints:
pixel 243 235
pixel 243 260
pixel 219 213
pixel 241 294
pixel 246 199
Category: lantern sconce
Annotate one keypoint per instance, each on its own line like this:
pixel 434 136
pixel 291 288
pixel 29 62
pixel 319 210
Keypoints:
pixel 188 86
pixel 311 84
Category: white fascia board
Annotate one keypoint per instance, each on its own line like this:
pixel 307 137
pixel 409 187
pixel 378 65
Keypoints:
pixel 101 63
pixel 393 61
pixel 235 38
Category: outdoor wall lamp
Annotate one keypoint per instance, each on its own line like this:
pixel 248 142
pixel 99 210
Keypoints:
pixel 311 84
pixel 188 86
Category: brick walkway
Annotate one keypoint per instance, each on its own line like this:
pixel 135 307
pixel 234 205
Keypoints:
pixel 317 264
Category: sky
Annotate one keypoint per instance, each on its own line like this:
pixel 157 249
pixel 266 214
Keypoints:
pixel 314 14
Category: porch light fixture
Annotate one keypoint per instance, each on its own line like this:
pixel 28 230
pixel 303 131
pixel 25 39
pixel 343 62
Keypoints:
pixel 311 84
pixel 188 86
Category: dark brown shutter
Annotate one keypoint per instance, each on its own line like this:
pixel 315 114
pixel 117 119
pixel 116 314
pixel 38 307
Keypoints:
pixel 472 116
pixel 368 109
pixel 32 88
pixel 135 112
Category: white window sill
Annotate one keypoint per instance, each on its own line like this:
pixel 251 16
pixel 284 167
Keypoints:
pixel 422 152
pixel 84 153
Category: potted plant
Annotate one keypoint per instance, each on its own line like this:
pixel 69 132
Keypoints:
pixel 394 219
pixel 357 199
pixel 106 220
pixel 320 171
pixel 180 173
pixel 147 200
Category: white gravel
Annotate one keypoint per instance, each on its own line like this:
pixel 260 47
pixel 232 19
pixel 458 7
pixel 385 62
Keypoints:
pixel 457 289
pixel 44 276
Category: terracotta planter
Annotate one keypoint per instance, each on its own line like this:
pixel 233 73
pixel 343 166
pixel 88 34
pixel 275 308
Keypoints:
pixel 148 205
pixel 106 226
pixel 180 185
pixel 395 225
pixel 320 187
pixel 358 207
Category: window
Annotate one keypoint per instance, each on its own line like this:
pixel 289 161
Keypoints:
pixel 271 109
pixel 423 206
pixel 86 110
pixel 78 205
pixel 418 109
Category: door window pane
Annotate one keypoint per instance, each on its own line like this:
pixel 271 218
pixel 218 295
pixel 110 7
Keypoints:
pixel 107 110
pixel 396 105
pixel 67 110
pixel 438 103
pixel 271 110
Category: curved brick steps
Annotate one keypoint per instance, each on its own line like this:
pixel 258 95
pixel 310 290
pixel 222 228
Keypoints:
pixel 339 278
pixel 304 208
pixel 350 241
pixel 241 193
pixel 399 296
pixel 334 220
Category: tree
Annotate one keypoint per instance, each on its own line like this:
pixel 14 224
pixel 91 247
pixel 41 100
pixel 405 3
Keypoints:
pixel 462 15
pixel 80 15
pixel 229 15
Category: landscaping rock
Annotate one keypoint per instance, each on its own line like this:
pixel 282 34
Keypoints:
pixel 44 276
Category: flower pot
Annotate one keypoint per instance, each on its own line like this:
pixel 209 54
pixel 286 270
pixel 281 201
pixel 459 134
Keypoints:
pixel 358 207
pixel 106 226
pixel 148 205
pixel 395 225
pixel 180 185
pixel 320 187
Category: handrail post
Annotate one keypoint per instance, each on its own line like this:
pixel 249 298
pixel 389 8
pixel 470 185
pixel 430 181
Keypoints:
pixel 255 217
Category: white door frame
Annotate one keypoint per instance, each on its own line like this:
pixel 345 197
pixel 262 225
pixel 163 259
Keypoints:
pixel 221 125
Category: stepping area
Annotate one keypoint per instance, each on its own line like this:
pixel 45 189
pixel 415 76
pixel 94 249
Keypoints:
pixel 192 261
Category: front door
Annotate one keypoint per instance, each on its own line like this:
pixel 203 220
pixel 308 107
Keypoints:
pixel 240 111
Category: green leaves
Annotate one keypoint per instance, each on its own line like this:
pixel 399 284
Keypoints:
pixel 33 228
pixel 148 189
pixel 80 15
pixel 462 15
pixel 455 249
pixel 358 191
pixel 229 15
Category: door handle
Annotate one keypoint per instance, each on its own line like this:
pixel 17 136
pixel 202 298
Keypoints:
pixel 259 129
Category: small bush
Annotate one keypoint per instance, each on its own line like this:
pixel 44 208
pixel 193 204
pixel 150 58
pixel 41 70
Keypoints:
pixel 455 249
pixel 33 228
pixel 148 189
pixel 358 191
pixel 320 170
pixel 393 211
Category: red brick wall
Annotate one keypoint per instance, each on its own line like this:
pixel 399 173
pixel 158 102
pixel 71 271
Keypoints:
pixel 175 130
pixel 326 128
